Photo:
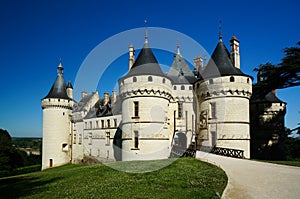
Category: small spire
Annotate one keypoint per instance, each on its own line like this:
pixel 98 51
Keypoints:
pixel 146 31
pixel 178 48
pixel 60 68
pixel 220 30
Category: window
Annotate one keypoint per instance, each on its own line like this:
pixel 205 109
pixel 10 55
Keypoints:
pixel 134 79
pixel 212 108
pixel 190 87
pixel 108 123
pixel 90 138
pixel 65 147
pixel 175 88
pixel 74 139
pixel 136 109
pixel 179 109
pixel 211 81
pixel 164 80
pixel 91 125
pixel 115 122
pixel 136 139
pixel 248 80
pixel 107 142
pixel 85 125
pixel 182 87
pixel 150 79
pixel 80 139
pixel 102 124
pixel 231 79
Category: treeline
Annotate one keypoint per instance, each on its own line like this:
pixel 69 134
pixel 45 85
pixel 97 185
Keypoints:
pixel 12 158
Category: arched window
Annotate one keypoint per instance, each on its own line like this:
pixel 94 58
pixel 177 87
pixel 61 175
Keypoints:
pixel 134 79
pixel 231 79
pixel 164 81
pixel 175 88
pixel 182 87
pixel 150 79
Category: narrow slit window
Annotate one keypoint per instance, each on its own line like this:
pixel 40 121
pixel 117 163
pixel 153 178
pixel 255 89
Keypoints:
pixel 136 139
pixel 136 109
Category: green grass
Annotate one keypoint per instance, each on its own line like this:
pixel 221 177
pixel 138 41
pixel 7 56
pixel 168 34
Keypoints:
pixel 185 178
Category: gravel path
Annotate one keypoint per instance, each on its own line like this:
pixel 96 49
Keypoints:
pixel 253 179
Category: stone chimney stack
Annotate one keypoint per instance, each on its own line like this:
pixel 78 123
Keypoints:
pixel 235 51
pixel 106 98
pixel 83 94
pixel 113 96
pixel 198 63
pixel 131 56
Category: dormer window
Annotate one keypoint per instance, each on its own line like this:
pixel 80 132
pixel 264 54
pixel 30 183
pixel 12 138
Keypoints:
pixel 231 79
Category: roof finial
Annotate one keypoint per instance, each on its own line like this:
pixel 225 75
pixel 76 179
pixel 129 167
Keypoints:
pixel 60 68
pixel 220 30
pixel 146 31
pixel 178 47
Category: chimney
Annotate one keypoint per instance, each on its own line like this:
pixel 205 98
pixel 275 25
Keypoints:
pixel 198 63
pixel 83 94
pixel 113 96
pixel 131 56
pixel 106 98
pixel 235 51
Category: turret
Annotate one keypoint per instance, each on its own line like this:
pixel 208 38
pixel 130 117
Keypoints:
pixel 223 95
pixel 145 131
pixel 70 90
pixel 57 109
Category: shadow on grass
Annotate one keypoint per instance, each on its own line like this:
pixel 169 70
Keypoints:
pixel 21 186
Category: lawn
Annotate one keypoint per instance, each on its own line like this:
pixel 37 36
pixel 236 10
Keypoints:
pixel 185 178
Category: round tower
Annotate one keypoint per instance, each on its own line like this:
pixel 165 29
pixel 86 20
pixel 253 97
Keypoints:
pixel 223 96
pixel 57 109
pixel 145 93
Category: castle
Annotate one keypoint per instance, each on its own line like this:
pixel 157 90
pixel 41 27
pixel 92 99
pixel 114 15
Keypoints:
pixel 154 111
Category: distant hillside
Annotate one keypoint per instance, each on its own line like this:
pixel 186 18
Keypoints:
pixel 31 143
pixel 185 178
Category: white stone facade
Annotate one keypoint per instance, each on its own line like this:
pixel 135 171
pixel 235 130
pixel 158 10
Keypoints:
pixel 57 126
pixel 224 112
pixel 151 113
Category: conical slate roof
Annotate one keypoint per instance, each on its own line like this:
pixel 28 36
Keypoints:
pixel 220 64
pixel 145 64
pixel 69 85
pixel 180 72
pixel 58 89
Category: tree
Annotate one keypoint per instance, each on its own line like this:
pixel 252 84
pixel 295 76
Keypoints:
pixel 285 74
pixel 10 158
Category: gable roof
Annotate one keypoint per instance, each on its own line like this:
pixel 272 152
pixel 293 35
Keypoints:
pixel 180 72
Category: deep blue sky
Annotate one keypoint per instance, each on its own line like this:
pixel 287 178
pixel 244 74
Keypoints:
pixel 35 34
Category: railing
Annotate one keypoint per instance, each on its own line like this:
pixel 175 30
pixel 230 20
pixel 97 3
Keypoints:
pixel 228 152
pixel 178 152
